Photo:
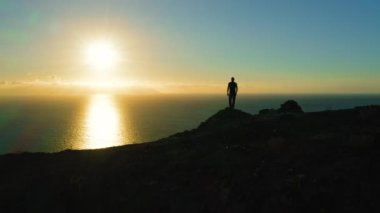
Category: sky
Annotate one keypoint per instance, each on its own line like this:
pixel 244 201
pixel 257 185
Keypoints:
pixel 192 46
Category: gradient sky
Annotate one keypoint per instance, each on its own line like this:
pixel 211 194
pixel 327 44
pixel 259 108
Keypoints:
pixel 269 46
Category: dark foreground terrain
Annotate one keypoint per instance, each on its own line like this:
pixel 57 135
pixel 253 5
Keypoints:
pixel 277 161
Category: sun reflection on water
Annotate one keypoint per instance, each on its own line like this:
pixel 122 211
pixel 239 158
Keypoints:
pixel 102 123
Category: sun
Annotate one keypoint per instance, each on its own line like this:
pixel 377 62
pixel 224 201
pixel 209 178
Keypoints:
pixel 101 55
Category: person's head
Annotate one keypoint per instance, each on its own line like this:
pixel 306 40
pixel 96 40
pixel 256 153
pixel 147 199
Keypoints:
pixel 232 79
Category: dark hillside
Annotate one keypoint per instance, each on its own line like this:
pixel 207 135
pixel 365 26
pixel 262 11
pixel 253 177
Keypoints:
pixel 276 161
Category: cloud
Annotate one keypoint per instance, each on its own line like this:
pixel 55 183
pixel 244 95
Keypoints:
pixel 193 88
pixel 10 83
pixel 16 83
pixel 52 85
pixel 54 78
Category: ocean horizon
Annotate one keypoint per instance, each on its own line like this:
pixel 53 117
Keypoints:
pixel 56 123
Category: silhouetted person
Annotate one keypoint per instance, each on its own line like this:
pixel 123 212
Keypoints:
pixel 232 90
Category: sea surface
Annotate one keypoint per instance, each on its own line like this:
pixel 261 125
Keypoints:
pixel 56 123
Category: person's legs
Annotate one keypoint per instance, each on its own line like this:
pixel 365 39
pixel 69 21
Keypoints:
pixel 230 100
pixel 233 101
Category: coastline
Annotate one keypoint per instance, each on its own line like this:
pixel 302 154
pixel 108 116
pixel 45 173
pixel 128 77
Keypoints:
pixel 233 162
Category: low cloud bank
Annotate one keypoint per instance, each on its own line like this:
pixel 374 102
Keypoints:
pixel 69 88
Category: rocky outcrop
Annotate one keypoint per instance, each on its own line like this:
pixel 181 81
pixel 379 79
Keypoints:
pixel 289 106
pixel 225 119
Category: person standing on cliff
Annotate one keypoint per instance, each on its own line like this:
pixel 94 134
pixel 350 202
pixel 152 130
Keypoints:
pixel 232 90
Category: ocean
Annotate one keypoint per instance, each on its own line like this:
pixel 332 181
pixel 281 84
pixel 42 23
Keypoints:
pixel 56 123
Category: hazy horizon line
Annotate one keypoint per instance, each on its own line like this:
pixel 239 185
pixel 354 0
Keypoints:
pixel 191 94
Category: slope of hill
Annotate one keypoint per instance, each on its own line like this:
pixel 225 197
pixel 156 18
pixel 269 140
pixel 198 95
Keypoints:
pixel 233 162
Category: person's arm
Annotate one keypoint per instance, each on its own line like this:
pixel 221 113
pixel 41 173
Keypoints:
pixel 237 89
pixel 228 89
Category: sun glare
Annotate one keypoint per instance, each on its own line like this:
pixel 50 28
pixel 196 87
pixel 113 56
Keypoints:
pixel 103 125
pixel 101 55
